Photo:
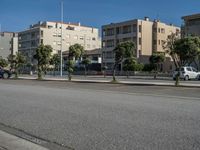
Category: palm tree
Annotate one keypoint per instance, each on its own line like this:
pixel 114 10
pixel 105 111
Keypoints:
pixel 55 61
pixel 75 53
pixel 86 62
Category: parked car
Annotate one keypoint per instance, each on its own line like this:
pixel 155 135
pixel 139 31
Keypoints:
pixel 4 73
pixel 187 73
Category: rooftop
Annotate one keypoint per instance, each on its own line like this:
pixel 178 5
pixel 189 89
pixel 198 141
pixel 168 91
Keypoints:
pixel 190 17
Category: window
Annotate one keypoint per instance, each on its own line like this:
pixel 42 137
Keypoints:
pixel 104 32
pixel 162 30
pixel 109 55
pixel 110 32
pixel 32 35
pixel 54 34
pixel 41 33
pixel 49 27
pixel 126 29
pixel 41 41
pixel 103 44
pixel 117 41
pixel 118 30
pixel 155 30
pixel 94 39
pixel 154 42
pixel 158 30
pixel 188 69
pixel 81 38
pixel 195 70
pixel 140 28
pixel 159 42
pixel 140 41
pixel 140 52
pixel 110 43
pixel 126 39
pixel 134 28
pixel 33 43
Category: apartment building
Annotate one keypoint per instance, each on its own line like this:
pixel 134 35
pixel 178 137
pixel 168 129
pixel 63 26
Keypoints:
pixel 49 33
pixel 8 44
pixel 147 35
pixel 191 25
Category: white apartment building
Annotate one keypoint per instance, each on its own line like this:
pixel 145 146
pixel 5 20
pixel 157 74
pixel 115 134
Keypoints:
pixel 49 33
pixel 8 44
pixel 147 35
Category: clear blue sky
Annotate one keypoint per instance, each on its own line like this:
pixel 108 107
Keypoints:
pixel 16 15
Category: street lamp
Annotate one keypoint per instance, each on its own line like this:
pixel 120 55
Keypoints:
pixel 1 48
pixel 61 56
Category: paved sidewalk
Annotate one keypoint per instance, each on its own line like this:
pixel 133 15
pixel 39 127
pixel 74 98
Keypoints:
pixel 120 81
pixel 11 142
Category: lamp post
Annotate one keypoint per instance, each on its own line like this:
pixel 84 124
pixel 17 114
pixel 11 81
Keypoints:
pixel 61 56
pixel 1 48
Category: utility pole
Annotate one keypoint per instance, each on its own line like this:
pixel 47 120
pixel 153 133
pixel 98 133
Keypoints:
pixel 61 56
pixel 0 38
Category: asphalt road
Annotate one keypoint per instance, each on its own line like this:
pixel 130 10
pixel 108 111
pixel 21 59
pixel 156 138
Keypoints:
pixel 104 116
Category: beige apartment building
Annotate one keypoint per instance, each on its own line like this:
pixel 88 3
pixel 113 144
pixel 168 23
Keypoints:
pixel 49 33
pixel 191 25
pixel 147 35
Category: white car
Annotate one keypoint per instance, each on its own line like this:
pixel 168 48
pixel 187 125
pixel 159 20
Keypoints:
pixel 187 73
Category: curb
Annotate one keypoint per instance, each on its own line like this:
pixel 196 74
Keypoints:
pixel 110 82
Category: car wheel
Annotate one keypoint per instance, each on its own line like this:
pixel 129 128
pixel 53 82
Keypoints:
pixel 5 75
pixel 186 78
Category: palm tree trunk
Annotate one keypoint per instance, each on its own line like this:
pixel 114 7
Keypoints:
pixel 114 71
pixel 85 70
pixel 39 72
pixel 69 76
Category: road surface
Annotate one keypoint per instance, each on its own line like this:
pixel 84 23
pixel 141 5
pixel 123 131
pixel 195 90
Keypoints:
pixel 103 116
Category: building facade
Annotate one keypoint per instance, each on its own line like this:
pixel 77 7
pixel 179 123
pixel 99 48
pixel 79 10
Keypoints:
pixel 147 35
pixel 49 33
pixel 191 25
pixel 8 44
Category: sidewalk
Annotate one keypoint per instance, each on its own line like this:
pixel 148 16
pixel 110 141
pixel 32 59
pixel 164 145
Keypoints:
pixel 120 81
pixel 11 142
